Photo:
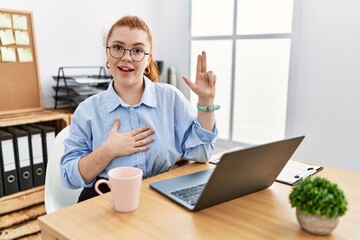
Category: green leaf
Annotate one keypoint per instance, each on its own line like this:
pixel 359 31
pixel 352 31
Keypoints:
pixel 318 196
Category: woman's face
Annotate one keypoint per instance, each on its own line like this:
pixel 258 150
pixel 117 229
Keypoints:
pixel 125 70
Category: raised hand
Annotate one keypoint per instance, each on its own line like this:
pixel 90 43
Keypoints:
pixel 204 85
pixel 121 144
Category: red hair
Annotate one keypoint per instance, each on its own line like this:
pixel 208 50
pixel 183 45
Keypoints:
pixel 135 22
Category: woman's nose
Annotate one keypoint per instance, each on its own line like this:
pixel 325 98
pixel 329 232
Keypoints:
pixel 127 56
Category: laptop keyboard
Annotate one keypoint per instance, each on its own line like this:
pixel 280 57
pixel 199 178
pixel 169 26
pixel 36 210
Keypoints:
pixel 189 195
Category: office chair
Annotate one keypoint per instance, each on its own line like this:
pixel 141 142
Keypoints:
pixel 57 196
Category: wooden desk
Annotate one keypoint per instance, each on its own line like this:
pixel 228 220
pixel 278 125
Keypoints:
pixel 266 214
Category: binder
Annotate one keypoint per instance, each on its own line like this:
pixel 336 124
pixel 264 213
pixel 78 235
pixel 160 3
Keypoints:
pixel 48 137
pixel 294 171
pixel 8 165
pixel 22 157
pixel 36 154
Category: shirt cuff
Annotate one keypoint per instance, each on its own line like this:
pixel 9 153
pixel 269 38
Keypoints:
pixel 204 136
pixel 76 177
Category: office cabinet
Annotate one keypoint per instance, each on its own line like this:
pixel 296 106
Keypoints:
pixel 19 211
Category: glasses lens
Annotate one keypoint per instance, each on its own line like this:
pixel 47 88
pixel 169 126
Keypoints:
pixel 116 51
pixel 137 54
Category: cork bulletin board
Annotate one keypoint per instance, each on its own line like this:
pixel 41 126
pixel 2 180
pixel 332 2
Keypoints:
pixel 20 89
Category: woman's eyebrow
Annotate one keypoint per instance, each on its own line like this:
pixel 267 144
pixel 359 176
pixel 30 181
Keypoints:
pixel 123 43
pixel 118 42
pixel 139 44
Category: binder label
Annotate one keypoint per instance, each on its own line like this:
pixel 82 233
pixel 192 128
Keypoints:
pixel 8 155
pixel 23 147
pixel 37 149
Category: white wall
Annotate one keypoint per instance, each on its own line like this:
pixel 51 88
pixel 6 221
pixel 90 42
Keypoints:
pixel 70 33
pixel 175 39
pixel 324 93
pixel 324 83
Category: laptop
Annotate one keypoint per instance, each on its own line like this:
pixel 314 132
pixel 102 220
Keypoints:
pixel 237 174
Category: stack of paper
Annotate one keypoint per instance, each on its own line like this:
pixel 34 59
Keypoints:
pixel 295 171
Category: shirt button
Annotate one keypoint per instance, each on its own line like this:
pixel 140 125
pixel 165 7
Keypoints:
pixel 132 109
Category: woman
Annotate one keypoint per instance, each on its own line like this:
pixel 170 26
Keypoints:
pixel 136 121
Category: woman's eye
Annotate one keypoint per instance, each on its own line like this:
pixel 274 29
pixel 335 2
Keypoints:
pixel 118 48
pixel 137 51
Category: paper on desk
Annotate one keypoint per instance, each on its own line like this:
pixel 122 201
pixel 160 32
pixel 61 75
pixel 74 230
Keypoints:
pixel 295 171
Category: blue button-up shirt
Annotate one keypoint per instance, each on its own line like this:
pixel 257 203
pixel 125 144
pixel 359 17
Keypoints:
pixel 163 107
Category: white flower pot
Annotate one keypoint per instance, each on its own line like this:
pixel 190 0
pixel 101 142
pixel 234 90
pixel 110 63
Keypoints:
pixel 316 224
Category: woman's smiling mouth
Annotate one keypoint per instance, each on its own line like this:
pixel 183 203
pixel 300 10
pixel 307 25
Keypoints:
pixel 125 69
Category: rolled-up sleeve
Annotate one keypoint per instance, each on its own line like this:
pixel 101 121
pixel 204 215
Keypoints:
pixel 77 145
pixel 199 143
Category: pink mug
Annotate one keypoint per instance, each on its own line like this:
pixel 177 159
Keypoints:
pixel 125 185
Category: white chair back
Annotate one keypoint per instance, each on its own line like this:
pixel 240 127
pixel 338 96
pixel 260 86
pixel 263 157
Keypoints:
pixel 57 196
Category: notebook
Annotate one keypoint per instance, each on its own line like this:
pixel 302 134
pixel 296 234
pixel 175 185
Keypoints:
pixel 238 173
pixel 294 171
pixel 291 174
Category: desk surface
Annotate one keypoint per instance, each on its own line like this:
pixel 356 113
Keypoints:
pixel 266 214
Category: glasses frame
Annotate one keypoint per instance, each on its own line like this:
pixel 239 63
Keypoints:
pixel 127 49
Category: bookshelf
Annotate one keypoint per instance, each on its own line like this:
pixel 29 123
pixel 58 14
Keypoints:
pixel 19 211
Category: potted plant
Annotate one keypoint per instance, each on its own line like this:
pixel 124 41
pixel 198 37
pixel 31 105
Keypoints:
pixel 319 204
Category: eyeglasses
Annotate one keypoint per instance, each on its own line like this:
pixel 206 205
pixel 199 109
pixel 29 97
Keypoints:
pixel 118 51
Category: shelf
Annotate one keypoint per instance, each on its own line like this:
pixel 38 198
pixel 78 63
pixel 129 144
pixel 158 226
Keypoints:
pixel 34 117
pixel 19 211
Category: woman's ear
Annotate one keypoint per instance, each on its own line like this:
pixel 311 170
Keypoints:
pixel 107 53
pixel 150 58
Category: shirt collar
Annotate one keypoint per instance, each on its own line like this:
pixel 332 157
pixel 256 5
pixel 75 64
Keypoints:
pixel 113 100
